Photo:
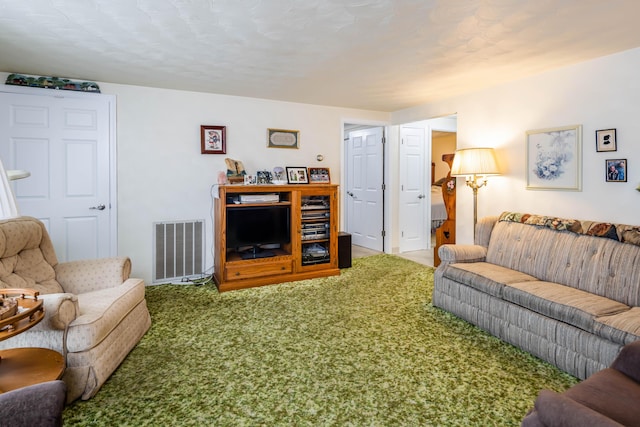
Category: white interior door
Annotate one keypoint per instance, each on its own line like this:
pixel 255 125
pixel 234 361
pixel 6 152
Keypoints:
pixel 413 195
pixel 364 192
pixel 65 142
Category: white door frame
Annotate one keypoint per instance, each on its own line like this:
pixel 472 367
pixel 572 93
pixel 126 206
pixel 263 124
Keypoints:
pixel 386 241
pixel 113 188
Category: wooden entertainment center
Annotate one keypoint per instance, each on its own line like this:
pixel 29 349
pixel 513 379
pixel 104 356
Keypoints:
pixel 312 247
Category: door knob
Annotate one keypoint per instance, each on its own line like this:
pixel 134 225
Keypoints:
pixel 350 193
pixel 100 207
pixel 421 196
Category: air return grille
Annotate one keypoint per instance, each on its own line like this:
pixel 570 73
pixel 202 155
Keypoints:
pixel 178 249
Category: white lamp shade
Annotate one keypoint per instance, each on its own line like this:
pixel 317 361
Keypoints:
pixel 475 161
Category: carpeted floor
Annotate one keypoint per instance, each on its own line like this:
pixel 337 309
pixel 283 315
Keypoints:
pixel 365 348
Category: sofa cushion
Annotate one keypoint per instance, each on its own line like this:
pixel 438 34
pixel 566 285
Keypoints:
pixel 622 328
pixel 483 276
pixel 100 312
pixel 564 303
pixel 610 393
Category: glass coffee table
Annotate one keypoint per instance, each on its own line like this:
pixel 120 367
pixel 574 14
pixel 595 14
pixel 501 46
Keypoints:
pixel 19 367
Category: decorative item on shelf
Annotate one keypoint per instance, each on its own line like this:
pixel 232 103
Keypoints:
pixel 47 82
pixel 235 171
pixel 283 138
pixel 606 140
pixel 213 139
pixel 297 175
pixel 616 170
pixel 474 164
pixel 278 175
pixel 249 180
pixel 319 176
pixel 554 159
pixel 263 177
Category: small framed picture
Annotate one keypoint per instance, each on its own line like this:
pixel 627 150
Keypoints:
pixel 606 140
pixel 283 138
pixel 213 139
pixel 319 176
pixel 616 170
pixel 297 175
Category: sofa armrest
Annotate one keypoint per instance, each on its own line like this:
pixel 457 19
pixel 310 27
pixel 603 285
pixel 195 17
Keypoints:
pixel 461 253
pixel 554 409
pixel 78 277
pixel 628 361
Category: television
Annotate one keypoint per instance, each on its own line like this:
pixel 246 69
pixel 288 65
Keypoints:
pixel 250 228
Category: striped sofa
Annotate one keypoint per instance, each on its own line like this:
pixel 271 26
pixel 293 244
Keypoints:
pixel 567 291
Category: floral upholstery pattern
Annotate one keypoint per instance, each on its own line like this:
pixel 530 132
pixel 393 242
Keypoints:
pixel 620 232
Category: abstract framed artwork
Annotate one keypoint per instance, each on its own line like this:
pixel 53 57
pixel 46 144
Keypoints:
pixel 554 158
pixel 606 140
pixel 213 139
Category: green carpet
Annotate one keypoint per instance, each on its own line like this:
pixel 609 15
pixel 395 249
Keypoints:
pixel 365 348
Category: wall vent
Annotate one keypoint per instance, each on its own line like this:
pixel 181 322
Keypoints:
pixel 178 250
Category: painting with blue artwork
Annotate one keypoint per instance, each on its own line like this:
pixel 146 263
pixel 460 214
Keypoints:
pixel 554 158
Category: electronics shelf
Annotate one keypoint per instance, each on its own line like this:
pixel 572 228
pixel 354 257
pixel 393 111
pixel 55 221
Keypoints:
pixel 266 234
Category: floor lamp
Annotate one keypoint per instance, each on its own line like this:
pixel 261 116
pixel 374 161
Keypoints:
pixel 475 164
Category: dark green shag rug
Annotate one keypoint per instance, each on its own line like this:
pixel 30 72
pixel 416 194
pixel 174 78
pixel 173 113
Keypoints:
pixel 365 348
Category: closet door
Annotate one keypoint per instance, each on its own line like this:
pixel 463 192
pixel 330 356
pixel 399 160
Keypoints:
pixel 64 141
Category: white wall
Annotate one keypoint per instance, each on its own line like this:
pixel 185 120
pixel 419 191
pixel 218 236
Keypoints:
pixel 161 174
pixel 597 94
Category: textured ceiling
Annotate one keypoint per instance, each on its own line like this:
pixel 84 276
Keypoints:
pixel 381 55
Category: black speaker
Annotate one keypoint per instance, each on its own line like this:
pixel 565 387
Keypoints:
pixel 344 250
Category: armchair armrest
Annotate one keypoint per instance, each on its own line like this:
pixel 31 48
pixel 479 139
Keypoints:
pixel 59 311
pixel 82 276
pixel 461 253
pixel 628 361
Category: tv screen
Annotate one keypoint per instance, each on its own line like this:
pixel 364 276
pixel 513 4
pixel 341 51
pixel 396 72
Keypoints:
pixel 258 225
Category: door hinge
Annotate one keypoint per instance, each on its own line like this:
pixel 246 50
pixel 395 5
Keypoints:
pixel 383 186
pixel 383 233
pixel 384 139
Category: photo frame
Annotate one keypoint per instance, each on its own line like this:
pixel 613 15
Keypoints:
pixel 554 158
pixel 283 138
pixel 213 139
pixel 297 175
pixel 616 170
pixel 606 140
pixel 319 176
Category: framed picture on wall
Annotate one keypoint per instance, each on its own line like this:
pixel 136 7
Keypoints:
pixel 554 158
pixel 606 140
pixel 616 170
pixel 283 138
pixel 213 139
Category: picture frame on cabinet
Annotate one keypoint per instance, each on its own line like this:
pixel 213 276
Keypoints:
pixel 606 140
pixel 319 176
pixel 213 139
pixel 616 170
pixel 297 175
pixel 554 158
